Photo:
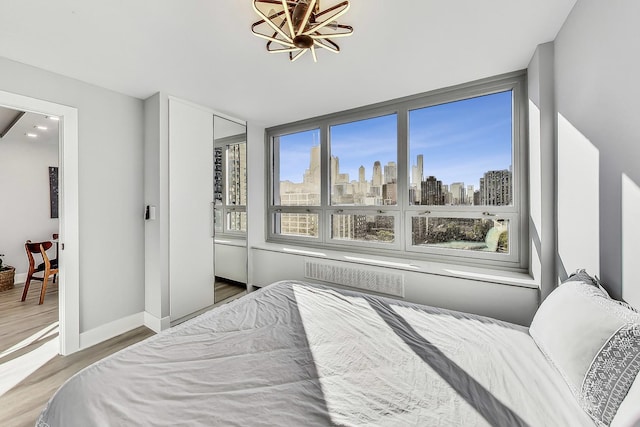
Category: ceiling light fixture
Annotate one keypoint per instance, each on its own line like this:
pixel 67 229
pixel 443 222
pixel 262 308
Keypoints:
pixel 298 26
pixel 53 118
pixel 31 135
pixel 40 127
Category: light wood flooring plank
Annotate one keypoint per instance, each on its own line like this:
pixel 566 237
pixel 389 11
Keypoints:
pixel 21 405
pixel 224 289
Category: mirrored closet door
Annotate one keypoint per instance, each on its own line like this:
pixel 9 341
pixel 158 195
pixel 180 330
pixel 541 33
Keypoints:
pixel 230 208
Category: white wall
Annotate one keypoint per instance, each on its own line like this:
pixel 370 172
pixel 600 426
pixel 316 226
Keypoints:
pixel 24 190
pixel 596 70
pixel 231 260
pixel 542 153
pixel 255 195
pixel 110 189
pixel 156 193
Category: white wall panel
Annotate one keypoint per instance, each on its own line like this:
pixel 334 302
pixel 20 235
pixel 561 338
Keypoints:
pixel 191 258
pixel 231 262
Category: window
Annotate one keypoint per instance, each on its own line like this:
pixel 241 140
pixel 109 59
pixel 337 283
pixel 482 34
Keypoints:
pixel 363 162
pixel 436 176
pixel 230 185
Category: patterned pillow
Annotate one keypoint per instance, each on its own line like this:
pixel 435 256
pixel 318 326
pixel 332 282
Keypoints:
pixel 581 275
pixel 593 342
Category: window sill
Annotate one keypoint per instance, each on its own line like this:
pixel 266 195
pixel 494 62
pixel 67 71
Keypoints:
pixel 231 241
pixel 480 274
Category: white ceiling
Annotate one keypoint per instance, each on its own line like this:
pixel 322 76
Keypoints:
pixel 203 50
pixel 27 125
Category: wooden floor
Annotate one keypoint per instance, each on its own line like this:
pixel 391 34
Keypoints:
pixel 225 289
pixel 30 368
pixel 28 339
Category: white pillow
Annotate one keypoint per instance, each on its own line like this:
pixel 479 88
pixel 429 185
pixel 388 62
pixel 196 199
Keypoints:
pixel 594 342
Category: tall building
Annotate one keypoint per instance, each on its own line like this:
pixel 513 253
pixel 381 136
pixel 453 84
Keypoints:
pixel 237 183
pixel 299 224
pixel 305 193
pixel 417 176
pixel 342 178
pixel 390 193
pixel 458 194
pixel 349 227
pixel 237 173
pixel 390 173
pixel 432 192
pixel 377 174
pixel 476 198
pixel 412 194
pixel 312 175
pixel 496 188
pixel 335 169
pixel 361 175
pixel 470 192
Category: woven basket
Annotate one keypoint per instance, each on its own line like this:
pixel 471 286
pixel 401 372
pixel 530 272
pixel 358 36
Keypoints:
pixel 6 279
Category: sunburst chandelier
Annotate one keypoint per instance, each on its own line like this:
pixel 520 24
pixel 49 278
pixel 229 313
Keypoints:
pixel 298 26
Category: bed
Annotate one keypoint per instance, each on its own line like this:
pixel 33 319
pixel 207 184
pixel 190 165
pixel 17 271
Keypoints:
pixel 299 354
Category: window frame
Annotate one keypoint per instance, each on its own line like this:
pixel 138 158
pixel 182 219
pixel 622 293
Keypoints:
pixel 517 213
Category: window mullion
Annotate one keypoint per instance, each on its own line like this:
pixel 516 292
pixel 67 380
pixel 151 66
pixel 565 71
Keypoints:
pixel 324 222
pixel 402 231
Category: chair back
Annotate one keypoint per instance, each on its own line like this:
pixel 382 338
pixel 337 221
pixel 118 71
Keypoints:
pixel 37 248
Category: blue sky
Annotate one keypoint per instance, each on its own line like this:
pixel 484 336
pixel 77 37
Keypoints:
pixel 459 140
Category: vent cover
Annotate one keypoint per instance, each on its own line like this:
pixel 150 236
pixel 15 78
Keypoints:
pixel 359 277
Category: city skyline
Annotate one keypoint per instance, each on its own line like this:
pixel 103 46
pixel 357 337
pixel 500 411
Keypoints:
pixel 459 141
pixel 495 187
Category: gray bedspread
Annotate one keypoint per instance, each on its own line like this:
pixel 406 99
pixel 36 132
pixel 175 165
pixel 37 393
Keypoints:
pixel 295 354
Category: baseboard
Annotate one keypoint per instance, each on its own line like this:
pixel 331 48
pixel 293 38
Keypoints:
pixel 110 330
pixel 19 279
pixel 156 324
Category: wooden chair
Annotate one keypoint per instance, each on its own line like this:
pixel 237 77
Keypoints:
pixel 49 268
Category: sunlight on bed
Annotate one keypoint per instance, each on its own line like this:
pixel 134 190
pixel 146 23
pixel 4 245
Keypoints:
pixel 15 367
pixel 385 363
pixel 351 387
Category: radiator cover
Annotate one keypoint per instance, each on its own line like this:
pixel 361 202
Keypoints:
pixel 355 276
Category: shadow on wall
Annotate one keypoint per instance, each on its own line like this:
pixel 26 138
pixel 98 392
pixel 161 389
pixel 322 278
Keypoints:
pixel 598 212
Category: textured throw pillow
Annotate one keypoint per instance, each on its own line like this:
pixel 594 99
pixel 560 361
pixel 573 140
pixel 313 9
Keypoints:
pixel 581 275
pixel 594 342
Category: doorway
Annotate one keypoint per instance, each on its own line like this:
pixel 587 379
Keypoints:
pixel 68 260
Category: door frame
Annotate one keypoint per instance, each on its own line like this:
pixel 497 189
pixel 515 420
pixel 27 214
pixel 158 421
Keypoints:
pixel 69 260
